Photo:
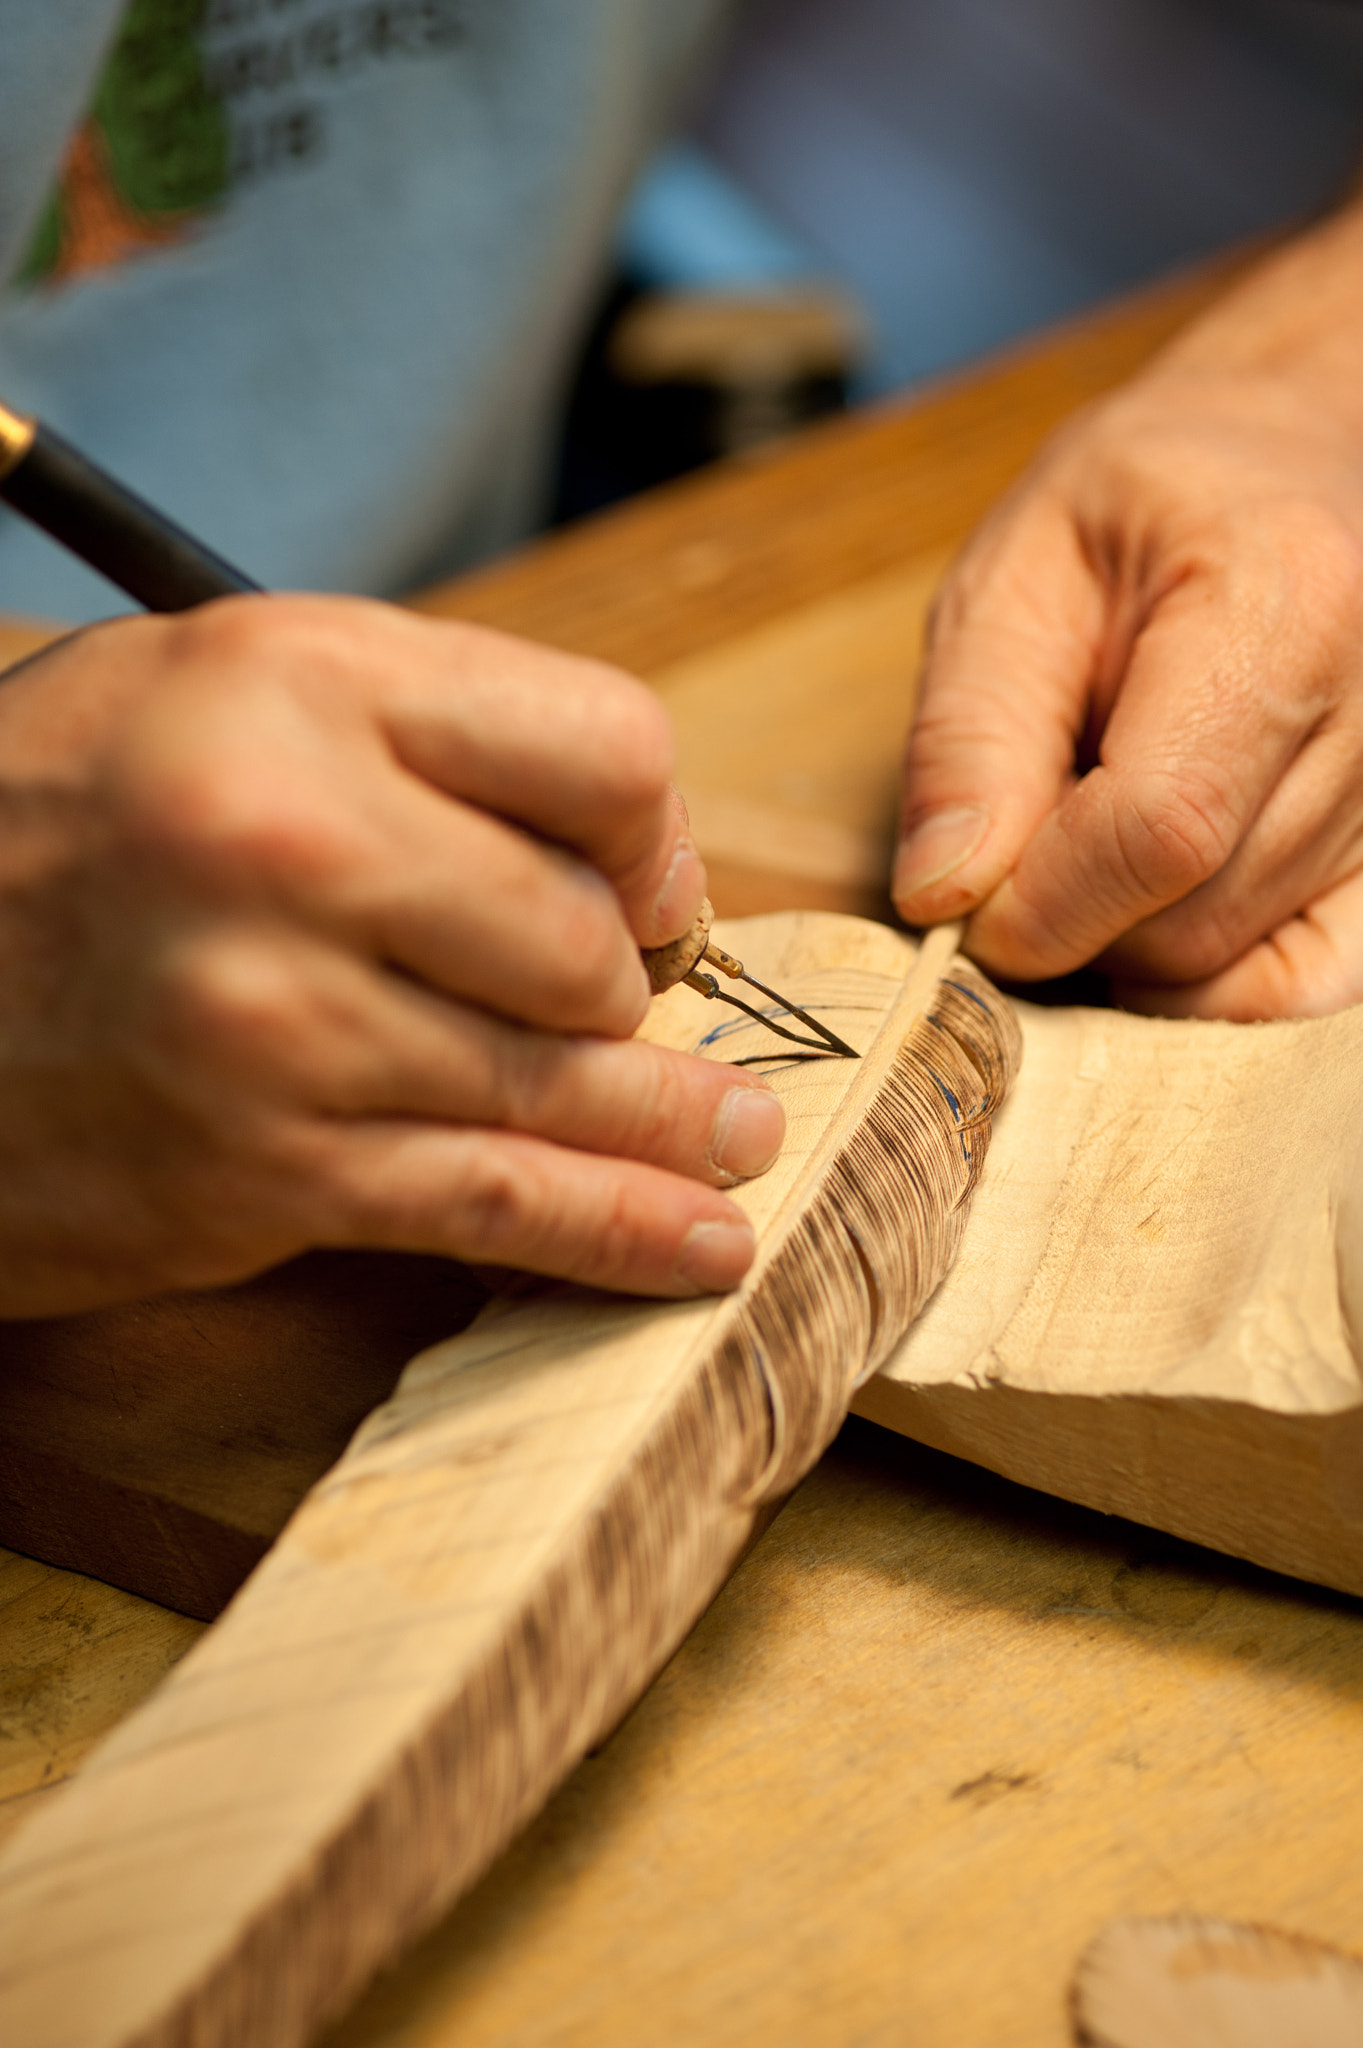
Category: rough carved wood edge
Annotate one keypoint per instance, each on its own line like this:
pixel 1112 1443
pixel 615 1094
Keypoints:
pixel 1157 1309
pixel 502 1559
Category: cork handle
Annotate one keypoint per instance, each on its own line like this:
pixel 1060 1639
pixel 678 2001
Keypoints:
pixel 667 965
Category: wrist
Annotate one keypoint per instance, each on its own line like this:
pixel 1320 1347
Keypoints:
pixel 1294 323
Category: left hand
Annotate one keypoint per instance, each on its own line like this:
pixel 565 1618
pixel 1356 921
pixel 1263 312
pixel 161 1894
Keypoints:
pixel 1140 736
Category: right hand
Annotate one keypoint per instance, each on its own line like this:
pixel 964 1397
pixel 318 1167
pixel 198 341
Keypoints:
pixel 319 926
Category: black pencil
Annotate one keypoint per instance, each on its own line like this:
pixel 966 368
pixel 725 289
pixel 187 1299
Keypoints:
pixel 107 525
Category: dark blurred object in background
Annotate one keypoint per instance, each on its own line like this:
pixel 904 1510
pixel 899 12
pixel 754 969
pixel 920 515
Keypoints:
pixel 721 330
pixel 726 371
pixel 957 173
pixel 972 169
pixel 674 379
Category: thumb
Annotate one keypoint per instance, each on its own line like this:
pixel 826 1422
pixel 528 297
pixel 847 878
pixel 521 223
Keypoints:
pixel 1211 712
pixel 1012 649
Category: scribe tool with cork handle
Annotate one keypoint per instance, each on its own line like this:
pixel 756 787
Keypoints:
pixel 683 961
pixel 167 570
pixel 106 524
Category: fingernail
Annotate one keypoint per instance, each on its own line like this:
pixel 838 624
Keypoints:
pixel 937 846
pixel 749 1132
pixel 715 1256
pixel 676 902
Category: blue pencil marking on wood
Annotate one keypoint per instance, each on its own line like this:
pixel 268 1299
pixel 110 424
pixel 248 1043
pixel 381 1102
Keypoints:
pixel 725 1030
pixel 964 1124
pixel 976 998
pixel 731 1025
pixel 942 1088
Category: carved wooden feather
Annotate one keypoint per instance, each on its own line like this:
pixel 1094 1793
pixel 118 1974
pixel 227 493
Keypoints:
pixel 505 1555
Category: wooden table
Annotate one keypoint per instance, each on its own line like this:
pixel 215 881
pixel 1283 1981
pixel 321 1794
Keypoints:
pixel 936 1730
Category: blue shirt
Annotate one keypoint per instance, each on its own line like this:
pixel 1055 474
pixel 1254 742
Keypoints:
pixel 308 272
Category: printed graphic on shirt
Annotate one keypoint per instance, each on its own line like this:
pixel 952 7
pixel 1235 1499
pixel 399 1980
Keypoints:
pixel 199 95
pixel 274 64
pixel 152 154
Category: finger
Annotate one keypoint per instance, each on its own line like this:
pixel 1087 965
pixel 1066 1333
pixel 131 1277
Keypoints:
pixel 1013 649
pixel 282 1017
pixel 482 911
pixel 575 749
pixel 659 915
pixel 275 774
pixel 1311 966
pixel 290 1019
pixel 1308 834
pixel 570 749
pixel 384 864
pixel 565 745
pixel 1211 711
pixel 499 1198
pixel 634 1100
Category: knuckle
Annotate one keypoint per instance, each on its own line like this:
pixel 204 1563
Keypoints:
pixel 233 813
pixel 516 1075
pixel 508 1207
pixel 234 826
pixel 631 738
pixel 629 1099
pixel 994 568
pixel 228 994
pixel 231 634
pixel 593 951
pixel 944 729
pixel 1216 936
pixel 959 598
pixel 1174 832
pixel 656 1107
pixel 488 1198
pixel 517 1214
pixel 221 778
pixel 638 1106
pixel 620 1237
pixel 1203 950
pixel 312 1174
pixel 285 636
pixel 1322 559
pixel 620 1098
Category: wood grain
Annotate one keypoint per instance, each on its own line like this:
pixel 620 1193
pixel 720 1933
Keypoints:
pixel 164 1445
pixel 789 739
pixel 1158 1309
pixel 1192 1982
pixel 506 1553
pixel 77 1656
pixel 935 1733
pixel 699 561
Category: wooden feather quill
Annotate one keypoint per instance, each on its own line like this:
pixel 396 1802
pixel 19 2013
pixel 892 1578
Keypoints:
pixel 505 1555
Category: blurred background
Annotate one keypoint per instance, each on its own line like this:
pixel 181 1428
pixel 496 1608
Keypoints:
pixel 872 192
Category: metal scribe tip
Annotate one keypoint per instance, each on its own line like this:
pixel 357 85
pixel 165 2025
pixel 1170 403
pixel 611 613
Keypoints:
pixel 826 1042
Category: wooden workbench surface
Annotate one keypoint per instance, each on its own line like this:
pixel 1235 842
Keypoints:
pixel 936 1730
